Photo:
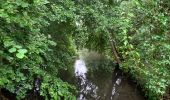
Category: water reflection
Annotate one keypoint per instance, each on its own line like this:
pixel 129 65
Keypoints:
pixel 116 87
pixel 86 87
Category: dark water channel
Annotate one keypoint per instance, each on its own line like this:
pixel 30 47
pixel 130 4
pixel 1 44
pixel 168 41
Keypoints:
pixel 117 86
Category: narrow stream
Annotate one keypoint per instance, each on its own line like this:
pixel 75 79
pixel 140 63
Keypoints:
pixel 116 87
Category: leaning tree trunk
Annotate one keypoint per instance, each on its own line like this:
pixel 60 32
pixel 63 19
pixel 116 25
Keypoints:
pixel 114 50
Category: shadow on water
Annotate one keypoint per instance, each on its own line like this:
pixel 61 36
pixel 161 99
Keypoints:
pixel 117 86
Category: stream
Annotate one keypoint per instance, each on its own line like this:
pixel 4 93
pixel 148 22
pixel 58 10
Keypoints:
pixel 115 87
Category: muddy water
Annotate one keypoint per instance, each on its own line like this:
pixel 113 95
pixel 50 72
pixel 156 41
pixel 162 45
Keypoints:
pixel 115 87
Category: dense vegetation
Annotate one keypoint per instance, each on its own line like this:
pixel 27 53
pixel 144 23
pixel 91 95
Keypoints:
pixel 39 40
pixel 29 52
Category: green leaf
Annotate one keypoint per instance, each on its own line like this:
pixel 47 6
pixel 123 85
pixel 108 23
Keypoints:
pixel 9 58
pixel 53 43
pixel 24 5
pixel 8 43
pixel 18 46
pixel 59 93
pixel 12 50
pixel 23 51
pixel 20 55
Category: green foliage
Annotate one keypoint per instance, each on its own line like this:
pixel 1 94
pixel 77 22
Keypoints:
pixel 141 32
pixel 145 45
pixel 57 89
pixel 27 51
pixel 39 37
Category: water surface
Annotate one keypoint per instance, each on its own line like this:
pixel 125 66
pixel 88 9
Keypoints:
pixel 114 87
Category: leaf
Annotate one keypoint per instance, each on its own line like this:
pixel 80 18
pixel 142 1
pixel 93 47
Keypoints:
pixel 20 55
pixel 53 43
pixel 8 43
pixel 12 50
pixel 23 51
pixel 18 46
pixel 59 93
pixel 9 58
pixel 24 5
